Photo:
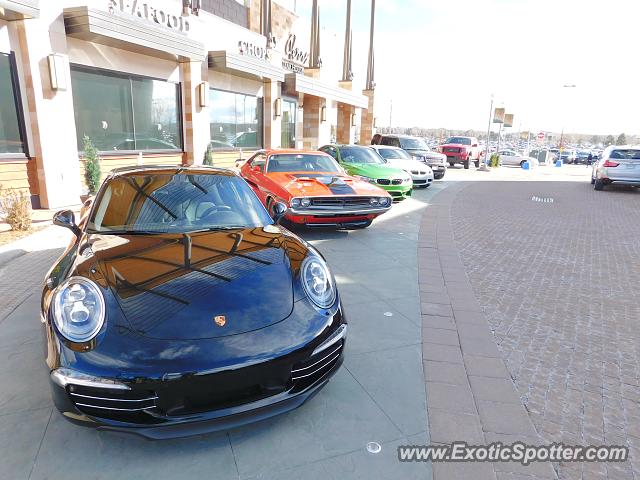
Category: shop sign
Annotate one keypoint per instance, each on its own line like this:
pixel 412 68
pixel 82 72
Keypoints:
pixel 251 50
pixel 148 11
pixel 294 59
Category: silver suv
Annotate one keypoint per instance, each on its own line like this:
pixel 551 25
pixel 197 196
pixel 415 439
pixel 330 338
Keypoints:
pixel 419 150
pixel 619 164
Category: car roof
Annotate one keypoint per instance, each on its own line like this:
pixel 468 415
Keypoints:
pixel 385 147
pixel 171 169
pixel 291 151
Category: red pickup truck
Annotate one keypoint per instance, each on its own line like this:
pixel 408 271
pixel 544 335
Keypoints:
pixel 462 150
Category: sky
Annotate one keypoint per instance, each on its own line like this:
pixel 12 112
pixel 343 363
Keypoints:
pixel 440 61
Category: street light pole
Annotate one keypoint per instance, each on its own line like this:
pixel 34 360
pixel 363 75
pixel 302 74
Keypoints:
pixel 486 150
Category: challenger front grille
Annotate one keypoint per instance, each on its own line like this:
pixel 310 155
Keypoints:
pixel 305 374
pixel 341 202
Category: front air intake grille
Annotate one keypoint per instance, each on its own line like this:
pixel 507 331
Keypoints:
pixel 122 405
pixel 307 373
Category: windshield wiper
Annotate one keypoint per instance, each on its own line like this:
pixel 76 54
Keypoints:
pixel 217 229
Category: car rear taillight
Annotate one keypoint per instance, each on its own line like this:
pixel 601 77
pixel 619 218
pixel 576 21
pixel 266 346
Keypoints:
pixel 609 164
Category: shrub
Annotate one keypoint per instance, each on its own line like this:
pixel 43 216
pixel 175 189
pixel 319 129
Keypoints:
pixel 208 156
pixel 91 165
pixel 15 209
pixel 495 160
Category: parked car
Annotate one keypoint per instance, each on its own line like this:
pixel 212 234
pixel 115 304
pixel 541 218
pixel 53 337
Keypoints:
pixel 419 150
pixel 316 190
pixel 512 158
pixel 582 157
pixel 421 174
pixel 146 315
pixel 463 150
pixel 567 155
pixel 619 164
pixel 366 164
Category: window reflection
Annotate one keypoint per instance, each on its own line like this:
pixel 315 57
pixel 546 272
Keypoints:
pixel 235 120
pixel 288 139
pixel 122 113
pixel 10 133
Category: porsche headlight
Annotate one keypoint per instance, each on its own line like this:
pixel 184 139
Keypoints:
pixel 317 281
pixel 78 309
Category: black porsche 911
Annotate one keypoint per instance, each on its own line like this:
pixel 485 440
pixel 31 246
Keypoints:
pixel 181 307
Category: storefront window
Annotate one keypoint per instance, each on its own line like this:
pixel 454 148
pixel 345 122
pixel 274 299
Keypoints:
pixel 236 120
pixel 288 139
pixel 10 130
pixel 123 113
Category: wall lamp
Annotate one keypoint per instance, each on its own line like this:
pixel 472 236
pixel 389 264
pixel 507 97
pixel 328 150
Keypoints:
pixel 353 119
pixel 323 114
pixel 58 67
pixel 277 107
pixel 203 94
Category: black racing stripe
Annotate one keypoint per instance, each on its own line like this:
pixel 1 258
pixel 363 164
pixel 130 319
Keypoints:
pixel 341 189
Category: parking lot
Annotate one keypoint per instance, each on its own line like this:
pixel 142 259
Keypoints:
pixel 536 263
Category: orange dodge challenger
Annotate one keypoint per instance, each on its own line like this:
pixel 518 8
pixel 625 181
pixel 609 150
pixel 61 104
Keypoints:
pixel 316 189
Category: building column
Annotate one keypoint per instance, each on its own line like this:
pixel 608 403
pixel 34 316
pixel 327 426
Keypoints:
pixel 311 122
pixel 54 147
pixel 196 118
pixel 272 123
pixel 367 129
pixel 345 130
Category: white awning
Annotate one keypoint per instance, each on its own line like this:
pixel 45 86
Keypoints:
pixel 129 33
pixel 244 66
pixel 19 9
pixel 312 86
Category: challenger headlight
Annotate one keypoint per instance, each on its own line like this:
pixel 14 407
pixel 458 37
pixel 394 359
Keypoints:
pixel 78 309
pixel 384 201
pixel 305 202
pixel 295 203
pixel 373 201
pixel 317 281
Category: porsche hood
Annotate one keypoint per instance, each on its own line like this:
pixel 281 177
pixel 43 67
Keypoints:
pixel 201 285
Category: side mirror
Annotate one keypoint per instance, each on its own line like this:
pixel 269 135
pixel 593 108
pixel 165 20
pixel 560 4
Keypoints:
pixel 474 145
pixel 66 219
pixel 279 211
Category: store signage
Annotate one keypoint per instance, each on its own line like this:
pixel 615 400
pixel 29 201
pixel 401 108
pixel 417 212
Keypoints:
pixel 498 115
pixel 148 11
pixel 251 50
pixel 508 120
pixel 294 59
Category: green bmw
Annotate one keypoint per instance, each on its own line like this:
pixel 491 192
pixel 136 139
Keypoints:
pixel 364 163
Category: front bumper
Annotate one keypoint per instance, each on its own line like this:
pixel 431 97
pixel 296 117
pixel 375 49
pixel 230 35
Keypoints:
pixel 194 400
pixel 398 192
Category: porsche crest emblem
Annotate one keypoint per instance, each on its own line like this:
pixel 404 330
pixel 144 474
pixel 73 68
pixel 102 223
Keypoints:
pixel 220 320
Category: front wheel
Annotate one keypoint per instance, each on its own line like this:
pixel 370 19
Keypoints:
pixel 477 163
pixel 466 164
pixel 598 184
pixel 593 180
pixel 451 164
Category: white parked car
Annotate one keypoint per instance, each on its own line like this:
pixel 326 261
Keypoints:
pixel 421 174
pixel 512 158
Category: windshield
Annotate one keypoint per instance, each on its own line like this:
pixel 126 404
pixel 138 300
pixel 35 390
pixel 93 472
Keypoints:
pixel 394 153
pixel 175 203
pixel 413 144
pixel 302 163
pixel 360 155
pixel 459 140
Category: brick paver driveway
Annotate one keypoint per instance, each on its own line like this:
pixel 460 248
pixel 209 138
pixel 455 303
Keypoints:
pixel 558 282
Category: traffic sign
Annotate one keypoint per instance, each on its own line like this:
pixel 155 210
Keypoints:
pixel 541 136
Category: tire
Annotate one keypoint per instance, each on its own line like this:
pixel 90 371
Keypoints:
pixel 466 164
pixel 598 184
pixel 451 164
pixel 522 163
pixel 593 181
pixel 477 163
